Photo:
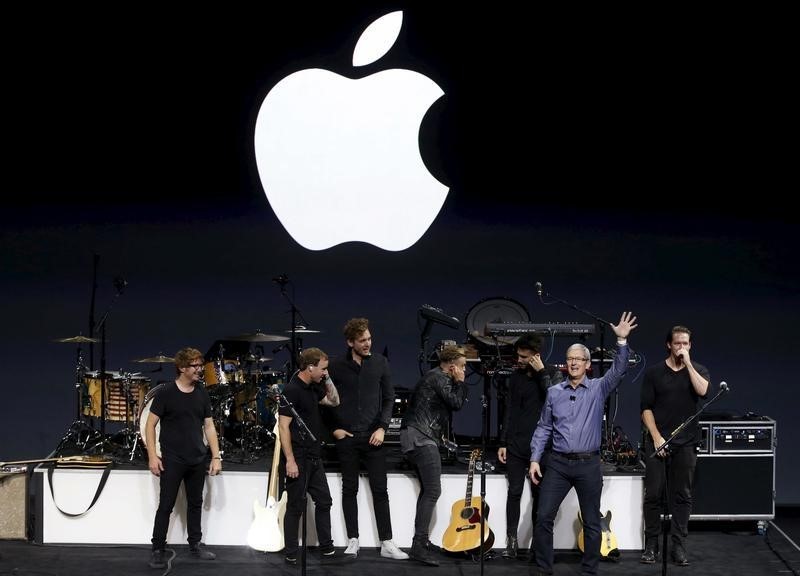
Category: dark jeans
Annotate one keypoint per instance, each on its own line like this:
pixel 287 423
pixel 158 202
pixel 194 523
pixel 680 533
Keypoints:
pixel 682 462
pixel 353 451
pixel 193 478
pixel 587 478
pixel 312 471
pixel 517 471
pixel 428 463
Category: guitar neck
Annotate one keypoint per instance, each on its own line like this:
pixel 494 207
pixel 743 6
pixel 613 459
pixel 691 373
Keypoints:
pixel 272 491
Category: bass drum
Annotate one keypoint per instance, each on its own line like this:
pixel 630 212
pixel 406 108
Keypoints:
pixel 498 309
pixel 145 412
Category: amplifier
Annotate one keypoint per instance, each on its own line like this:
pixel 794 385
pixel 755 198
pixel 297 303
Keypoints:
pixel 740 437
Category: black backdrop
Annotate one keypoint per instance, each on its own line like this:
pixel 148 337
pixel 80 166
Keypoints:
pixel 627 161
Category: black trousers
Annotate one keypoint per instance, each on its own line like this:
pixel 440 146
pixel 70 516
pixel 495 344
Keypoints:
pixel 586 476
pixel 517 472
pixel 428 463
pixel 682 463
pixel 313 471
pixel 193 478
pixel 353 451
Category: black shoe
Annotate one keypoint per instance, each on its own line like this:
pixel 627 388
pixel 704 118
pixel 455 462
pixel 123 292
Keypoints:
pixel 649 555
pixel 199 552
pixel 157 559
pixel 421 552
pixel 510 553
pixel 679 557
pixel 327 551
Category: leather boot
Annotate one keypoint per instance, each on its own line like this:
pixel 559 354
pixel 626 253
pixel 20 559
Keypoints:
pixel 511 548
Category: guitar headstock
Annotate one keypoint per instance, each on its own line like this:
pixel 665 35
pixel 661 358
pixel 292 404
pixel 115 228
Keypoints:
pixel 475 455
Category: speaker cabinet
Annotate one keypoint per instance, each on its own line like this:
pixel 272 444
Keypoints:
pixel 13 511
pixel 736 487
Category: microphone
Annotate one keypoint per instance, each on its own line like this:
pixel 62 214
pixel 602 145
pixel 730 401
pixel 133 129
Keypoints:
pixel 724 387
pixel 572 398
pixel 120 284
pixel 538 288
pixel 278 348
pixel 281 279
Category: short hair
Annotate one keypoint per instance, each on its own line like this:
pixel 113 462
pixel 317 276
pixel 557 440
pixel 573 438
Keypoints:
pixel 451 353
pixel 678 330
pixel 587 354
pixel 311 357
pixel 354 327
pixel 529 341
pixel 186 356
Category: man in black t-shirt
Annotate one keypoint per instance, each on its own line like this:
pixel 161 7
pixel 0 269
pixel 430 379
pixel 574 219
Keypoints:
pixel 309 388
pixel 182 409
pixel 527 390
pixel 670 391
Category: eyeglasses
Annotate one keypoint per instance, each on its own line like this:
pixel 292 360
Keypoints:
pixel 195 366
pixel 576 359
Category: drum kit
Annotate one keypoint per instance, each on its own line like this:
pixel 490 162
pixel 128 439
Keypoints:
pixel 241 387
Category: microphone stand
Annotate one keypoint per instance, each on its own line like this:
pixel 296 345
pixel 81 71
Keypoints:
pixel 666 516
pixel 305 434
pixel 103 376
pixel 603 323
pixel 295 342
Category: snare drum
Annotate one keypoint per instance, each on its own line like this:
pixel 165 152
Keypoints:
pixel 145 412
pixel 221 372
pixel 115 396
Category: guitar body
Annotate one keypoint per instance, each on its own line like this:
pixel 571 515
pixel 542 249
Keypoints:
pixel 609 548
pixel 266 531
pixel 463 534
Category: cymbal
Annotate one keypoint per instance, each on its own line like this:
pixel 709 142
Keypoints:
pixel 258 337
pixel 76 340
pixel 160 359
pixel 254 358
pixel 303 330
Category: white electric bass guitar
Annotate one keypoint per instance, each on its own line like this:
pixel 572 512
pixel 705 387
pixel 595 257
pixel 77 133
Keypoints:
pixel 266 531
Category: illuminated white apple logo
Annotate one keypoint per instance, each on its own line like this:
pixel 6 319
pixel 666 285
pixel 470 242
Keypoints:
pixel 339 159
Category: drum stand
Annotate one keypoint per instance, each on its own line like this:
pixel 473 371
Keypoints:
pixel 79 432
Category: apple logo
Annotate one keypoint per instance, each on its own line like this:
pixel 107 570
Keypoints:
pixel 339 158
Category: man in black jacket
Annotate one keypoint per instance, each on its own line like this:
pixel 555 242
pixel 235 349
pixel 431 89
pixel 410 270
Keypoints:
pixel 527 389
pixel 440 392
pixel 360 423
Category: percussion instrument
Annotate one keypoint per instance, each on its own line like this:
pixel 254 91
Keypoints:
pixel 122 390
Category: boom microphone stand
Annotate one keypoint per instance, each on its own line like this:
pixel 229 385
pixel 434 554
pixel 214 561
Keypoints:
pixel 305 434
pixel 666 516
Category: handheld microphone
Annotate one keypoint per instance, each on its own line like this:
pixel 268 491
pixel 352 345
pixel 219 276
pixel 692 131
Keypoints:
pixel 724 387
pixel 538 288
pixel 120 284
pixel 281 279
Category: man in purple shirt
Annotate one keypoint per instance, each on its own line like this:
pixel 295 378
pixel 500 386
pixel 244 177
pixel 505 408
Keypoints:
pixel 572 418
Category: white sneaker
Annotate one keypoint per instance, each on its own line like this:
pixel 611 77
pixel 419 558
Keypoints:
pixel 352 547
pixel 390 550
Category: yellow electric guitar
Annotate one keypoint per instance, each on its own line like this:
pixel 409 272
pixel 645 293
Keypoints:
pixel 608 542
pixel 266 531
pixel 464 532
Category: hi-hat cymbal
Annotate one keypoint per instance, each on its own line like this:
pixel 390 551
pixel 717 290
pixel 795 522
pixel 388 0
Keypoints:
pixel 160 359
pixel 304 330
pixel 76 340
pixel 258 337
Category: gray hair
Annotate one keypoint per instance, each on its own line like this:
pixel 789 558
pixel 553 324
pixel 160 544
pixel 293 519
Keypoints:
pixel 586 353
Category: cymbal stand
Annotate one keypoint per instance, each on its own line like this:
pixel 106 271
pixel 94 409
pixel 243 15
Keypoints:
pixel 79 432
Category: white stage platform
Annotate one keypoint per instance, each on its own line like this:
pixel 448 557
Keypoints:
pixel 124 512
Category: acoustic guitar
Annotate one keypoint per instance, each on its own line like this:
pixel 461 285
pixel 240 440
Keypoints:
pixel 464 532
pixel 608 542
pixel 266 531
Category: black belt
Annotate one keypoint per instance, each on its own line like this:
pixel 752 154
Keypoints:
pixel 577 455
